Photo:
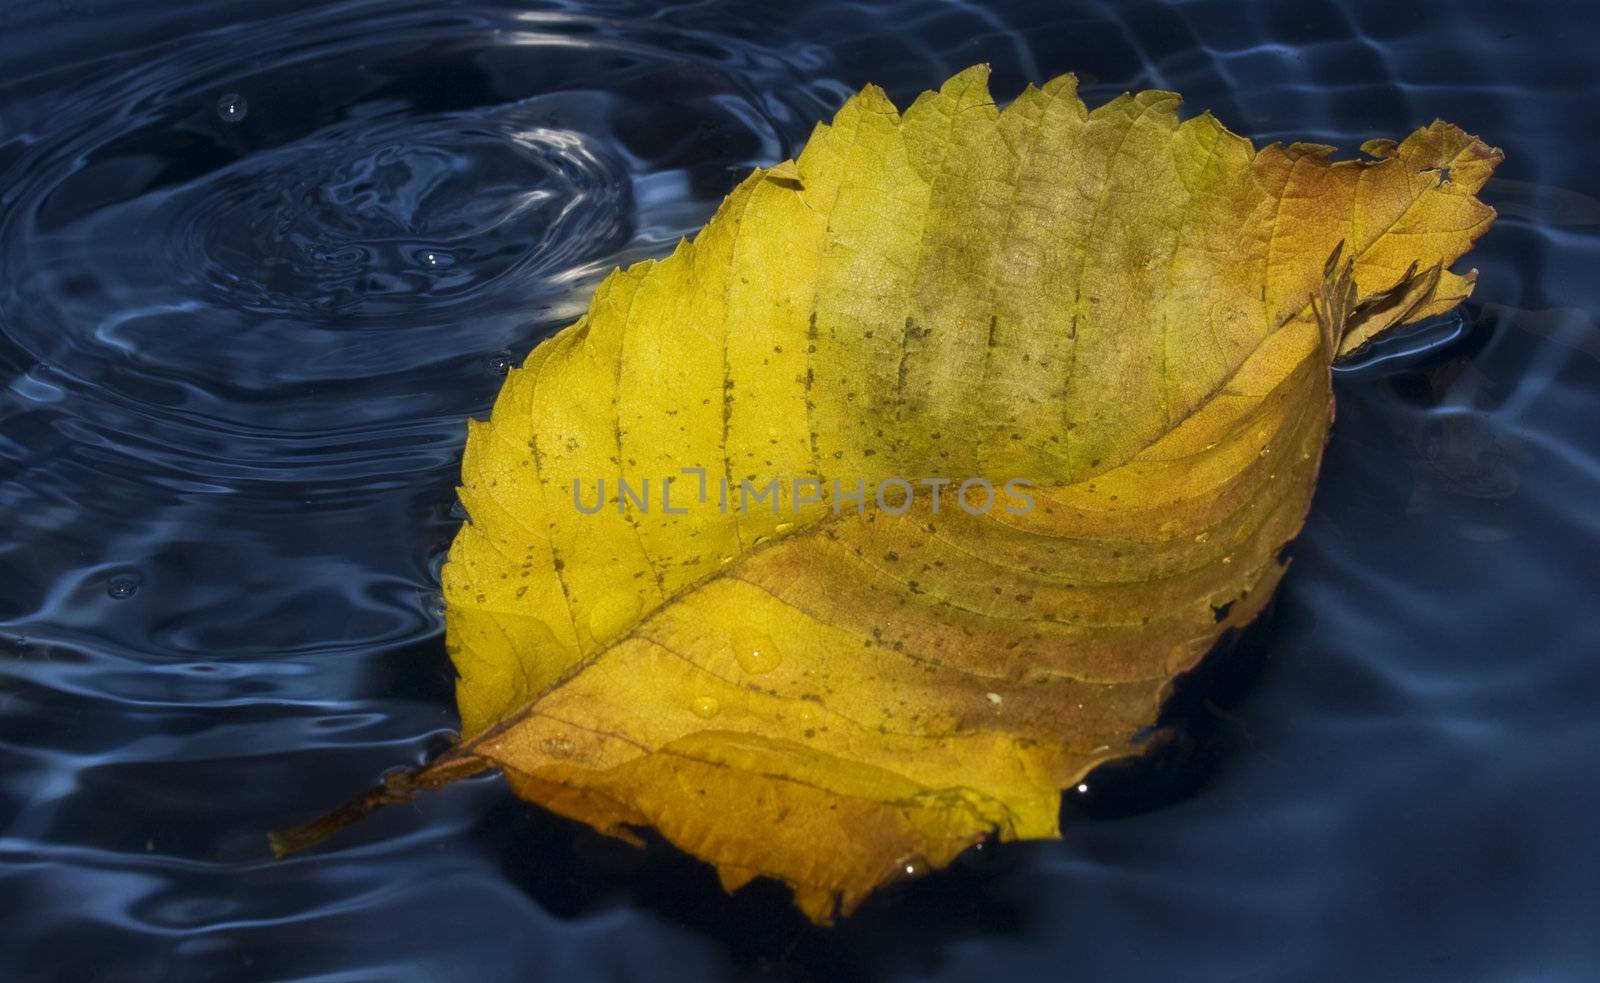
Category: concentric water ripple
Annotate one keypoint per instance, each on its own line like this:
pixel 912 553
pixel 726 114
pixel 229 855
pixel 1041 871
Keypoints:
pixel 258 263
pixel 372 217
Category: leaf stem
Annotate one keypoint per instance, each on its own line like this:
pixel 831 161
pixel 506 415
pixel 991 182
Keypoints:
pixel 399 786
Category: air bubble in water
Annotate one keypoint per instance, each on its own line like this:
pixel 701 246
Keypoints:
pixel 232 108
pixel 122 585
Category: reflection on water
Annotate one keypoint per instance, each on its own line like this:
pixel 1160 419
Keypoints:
pixel 259 261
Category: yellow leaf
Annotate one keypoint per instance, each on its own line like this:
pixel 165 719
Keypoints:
pixel 1128 318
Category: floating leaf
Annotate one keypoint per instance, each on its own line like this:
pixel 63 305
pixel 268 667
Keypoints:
pixel 1122 323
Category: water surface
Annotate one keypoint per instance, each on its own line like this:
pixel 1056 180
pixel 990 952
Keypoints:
pixel 259 262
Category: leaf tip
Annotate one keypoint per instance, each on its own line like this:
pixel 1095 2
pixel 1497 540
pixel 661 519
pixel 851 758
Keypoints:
pixel 969 88
pixel 1380 149
pixel 786 173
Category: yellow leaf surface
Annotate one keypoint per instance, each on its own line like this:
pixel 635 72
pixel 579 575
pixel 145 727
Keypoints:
pixel 1131 315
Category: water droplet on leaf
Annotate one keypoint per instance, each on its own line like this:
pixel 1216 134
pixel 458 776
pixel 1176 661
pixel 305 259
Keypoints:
pixel 755 651
pixel 613 614
pixel 705 706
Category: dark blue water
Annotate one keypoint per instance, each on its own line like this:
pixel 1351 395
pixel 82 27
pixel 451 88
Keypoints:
pixel 258 263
